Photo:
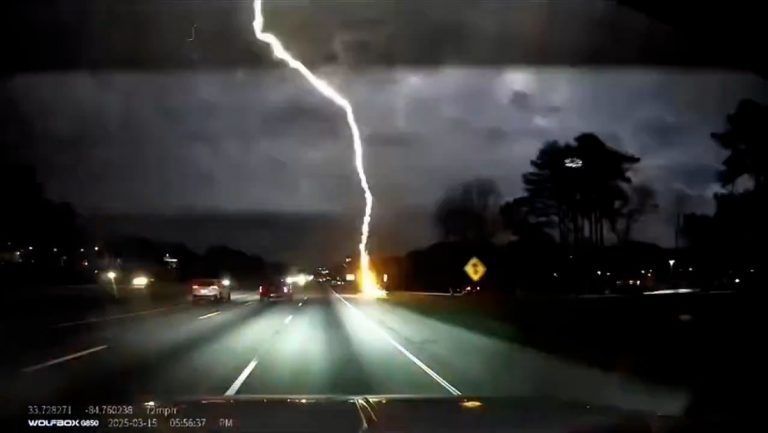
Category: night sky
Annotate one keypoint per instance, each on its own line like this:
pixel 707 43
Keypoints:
pixel 258 140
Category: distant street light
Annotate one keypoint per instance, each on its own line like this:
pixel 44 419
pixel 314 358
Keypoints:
pixel 671 264
pixel 111 275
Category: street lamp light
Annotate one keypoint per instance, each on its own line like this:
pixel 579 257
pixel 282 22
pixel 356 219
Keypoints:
pixel 111 275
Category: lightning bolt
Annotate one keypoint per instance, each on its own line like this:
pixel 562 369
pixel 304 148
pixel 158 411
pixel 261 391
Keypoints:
pixel 367 278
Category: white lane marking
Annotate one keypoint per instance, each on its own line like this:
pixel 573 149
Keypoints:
pixel 205 316
pixel 402 349
pixel 288 319
pixel 249 303
pixel 240 379
pixel 63 358
pixel 300 304
pixel 119 316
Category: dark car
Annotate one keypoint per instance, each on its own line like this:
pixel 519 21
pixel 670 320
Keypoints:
pixel 276 290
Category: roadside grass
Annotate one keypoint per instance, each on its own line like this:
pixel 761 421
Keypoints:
pixel 670 340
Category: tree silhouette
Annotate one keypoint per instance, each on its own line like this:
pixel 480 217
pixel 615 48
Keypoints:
pixel 579 187
pixel 520 218
pixel 746 139
pixel 740 215
pixel 34 217
pixel 467 211
pixel 221 259
pixel 738 224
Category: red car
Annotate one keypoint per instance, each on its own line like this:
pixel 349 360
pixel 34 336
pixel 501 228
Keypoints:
pixel 275 290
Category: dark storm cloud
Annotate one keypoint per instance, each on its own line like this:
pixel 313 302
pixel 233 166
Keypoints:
pixel 495 135
pixel 263 141
pixel 147 142
pixel 148 34
pixel 520 100
pixel 392 138
pixel 696 173
pixel 132 138
pixel 660 129
pixel 310 119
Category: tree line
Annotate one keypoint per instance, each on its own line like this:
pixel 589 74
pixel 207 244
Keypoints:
pixel 44 241
pixel 575 193
pixel 578 192
pixel 580 209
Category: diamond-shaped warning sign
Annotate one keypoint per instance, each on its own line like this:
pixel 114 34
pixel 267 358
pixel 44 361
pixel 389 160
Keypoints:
pixel 475 269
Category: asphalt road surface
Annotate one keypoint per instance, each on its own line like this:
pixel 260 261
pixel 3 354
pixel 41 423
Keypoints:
pixel 321 343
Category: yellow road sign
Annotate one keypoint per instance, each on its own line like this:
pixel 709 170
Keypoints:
pixel 475 269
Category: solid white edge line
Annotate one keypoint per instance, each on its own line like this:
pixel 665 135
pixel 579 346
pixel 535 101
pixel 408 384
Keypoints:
pixel 300 303
pixel 240 379
pixel 205 316
pixel 249 303
pixel 63 358
pixel 402 349
pixel 288 319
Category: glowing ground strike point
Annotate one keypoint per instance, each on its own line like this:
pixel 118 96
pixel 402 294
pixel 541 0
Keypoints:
pixel 367 281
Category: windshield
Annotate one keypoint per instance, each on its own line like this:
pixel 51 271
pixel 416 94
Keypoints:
pixel 326 198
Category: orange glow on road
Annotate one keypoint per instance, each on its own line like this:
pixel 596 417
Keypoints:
pixel 368 281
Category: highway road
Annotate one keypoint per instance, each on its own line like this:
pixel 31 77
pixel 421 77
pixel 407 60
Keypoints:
pixel 321 343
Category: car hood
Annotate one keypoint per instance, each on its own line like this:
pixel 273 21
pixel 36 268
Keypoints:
pixel 404 414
